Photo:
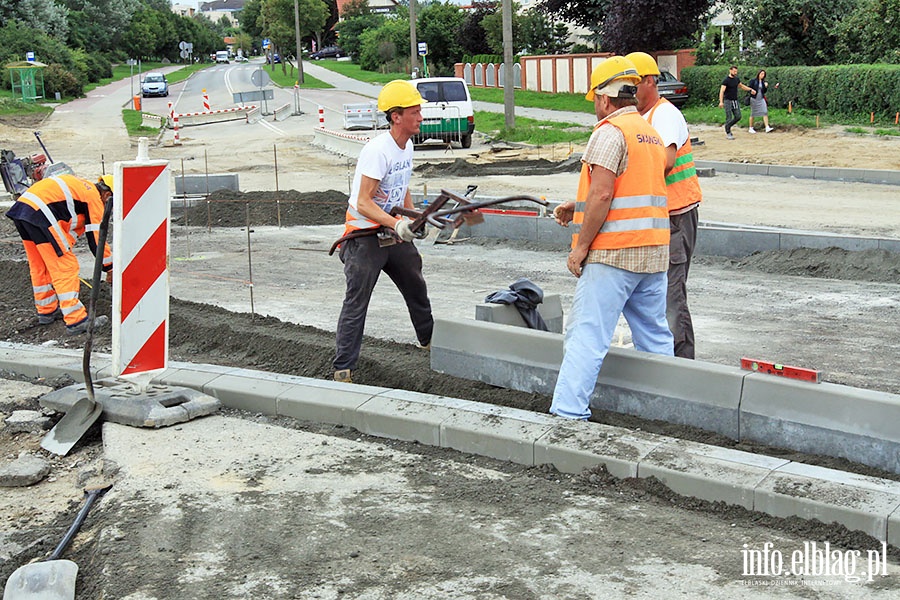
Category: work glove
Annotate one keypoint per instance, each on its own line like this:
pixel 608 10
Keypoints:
pixel 403 231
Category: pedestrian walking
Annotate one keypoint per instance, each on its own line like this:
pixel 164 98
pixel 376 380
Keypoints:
pixel 728 98
pixel 759 106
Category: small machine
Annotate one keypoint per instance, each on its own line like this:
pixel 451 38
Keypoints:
pixel 20 173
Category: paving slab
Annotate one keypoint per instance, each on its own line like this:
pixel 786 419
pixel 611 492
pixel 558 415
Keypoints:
pixel 857 502
pixel 573 446
pixel 708 472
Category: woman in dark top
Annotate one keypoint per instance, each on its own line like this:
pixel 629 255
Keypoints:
pixel 758 106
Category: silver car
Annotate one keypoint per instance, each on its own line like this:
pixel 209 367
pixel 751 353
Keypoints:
pixel 154 84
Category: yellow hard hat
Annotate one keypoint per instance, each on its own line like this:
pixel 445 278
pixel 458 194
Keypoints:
pixel 106 180
pixel 644 63
pixel 611 75
pixel 398 94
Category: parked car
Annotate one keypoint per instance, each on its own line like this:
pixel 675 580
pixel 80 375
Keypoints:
pixel 275 59
pixel 154 84
pixel 328 52
pixel 672 89
pixel 240 58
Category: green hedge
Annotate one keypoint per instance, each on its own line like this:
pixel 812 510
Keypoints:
pixel 486 58
pixel 848 90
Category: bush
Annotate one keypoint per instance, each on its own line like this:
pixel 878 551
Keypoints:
pixel 845 90
pixel 58 79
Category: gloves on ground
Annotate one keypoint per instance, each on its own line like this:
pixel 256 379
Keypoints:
pixel 403 231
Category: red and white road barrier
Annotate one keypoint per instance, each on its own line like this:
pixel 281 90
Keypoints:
pixel 171 112
pixel 140 314
pixel 216 112
pixel 205 100
pixel 177 141
pixel 322 117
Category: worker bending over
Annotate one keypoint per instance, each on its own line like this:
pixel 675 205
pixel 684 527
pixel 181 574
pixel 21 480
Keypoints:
pixel 49 216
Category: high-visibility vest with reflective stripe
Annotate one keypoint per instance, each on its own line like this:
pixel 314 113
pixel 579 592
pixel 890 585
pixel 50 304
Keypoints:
pixel 354 220
pixel 682 184
pixel 638 215
pixel 69 206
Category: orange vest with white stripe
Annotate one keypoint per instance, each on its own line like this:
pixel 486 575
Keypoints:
pixel 682 184
pixel 638 215
pixel 67 206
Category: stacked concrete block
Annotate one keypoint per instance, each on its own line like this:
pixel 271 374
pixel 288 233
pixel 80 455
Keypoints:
pixel 506 314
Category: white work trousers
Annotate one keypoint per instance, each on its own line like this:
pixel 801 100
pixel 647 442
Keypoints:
pixel 602 293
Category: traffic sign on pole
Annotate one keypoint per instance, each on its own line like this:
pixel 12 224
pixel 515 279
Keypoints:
pixel 423 48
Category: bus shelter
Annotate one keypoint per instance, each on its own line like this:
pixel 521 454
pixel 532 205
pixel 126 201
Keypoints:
pixel 27 79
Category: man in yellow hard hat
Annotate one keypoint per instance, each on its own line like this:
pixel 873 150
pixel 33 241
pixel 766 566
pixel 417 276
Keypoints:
pixel 49 216
pixel 380 183
pixel 620 247
pixel 683 191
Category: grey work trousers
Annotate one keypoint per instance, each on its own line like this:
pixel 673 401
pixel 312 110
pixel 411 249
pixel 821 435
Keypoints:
pixel 364 260
pixel 683 230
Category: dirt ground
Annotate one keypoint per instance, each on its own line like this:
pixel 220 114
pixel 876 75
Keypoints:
pixel 831 309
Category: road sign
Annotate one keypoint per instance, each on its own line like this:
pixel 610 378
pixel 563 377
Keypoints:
pixel 259 78
pixel 29 56
pixel 184 53
pixel 265 43
pixel 254 96
pixel 423 48
pixel 130 62
pixel 182 45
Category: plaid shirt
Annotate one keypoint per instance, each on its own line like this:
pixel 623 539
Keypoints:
pixel 607 149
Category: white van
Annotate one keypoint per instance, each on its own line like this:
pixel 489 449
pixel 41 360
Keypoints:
pixel 447 114
pixel 222 57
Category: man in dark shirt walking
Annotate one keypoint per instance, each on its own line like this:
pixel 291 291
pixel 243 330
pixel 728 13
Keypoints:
pixel 728 98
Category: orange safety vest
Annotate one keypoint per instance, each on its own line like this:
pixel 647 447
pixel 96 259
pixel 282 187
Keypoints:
pixel 682 184
pixel 638 215
pixel 67 206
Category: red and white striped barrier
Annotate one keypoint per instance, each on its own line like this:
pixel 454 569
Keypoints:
pixel 322 117
pixel 171 112
pixel 205 100
pixel 216 112
pixel 176 141
pixel 140 315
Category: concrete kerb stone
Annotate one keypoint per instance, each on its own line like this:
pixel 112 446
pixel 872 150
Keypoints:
pixel 879 176
pixel 573 446
pixel 282 112
pixel 325 401
pixel 824 418
pixel 340 143
pixel 708 472
pixel 409 416
pixel 46 363
pixel 858 502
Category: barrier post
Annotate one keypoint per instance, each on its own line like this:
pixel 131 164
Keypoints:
pixel 321 117
pixel 171 113
pixel 175 122
pixel 205 100
pixel 140 308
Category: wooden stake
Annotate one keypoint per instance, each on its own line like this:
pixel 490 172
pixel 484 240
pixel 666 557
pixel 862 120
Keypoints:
pixel 817 120
pixel 872 117
pixel 789 107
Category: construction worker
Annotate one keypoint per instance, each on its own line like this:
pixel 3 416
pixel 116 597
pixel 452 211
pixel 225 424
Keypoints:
pixel 381 182
pixel 49 216
pixel 683 191
pixel 620 249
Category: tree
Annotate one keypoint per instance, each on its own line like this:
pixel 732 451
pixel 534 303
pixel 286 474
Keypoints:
pixel 634 25
pixel 437 25
pixel 277 18
pixel 387 46
pixel 539 35
pixel 250 21
pixel 358 18
pixel 793 32
pixel 493 29
pixel 470 35
pixel 871 33
pixel 42 15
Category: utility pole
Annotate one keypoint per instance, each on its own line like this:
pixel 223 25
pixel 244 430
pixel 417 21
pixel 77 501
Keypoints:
pixel 509 99
pixel 413 45
pixel 297 34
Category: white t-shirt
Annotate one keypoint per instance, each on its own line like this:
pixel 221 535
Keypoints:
pixel 670 124
pixel 383 160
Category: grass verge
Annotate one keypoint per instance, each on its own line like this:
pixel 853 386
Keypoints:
pixel 285 75
pixel 349 69
pixel 132 120
pixel 530 131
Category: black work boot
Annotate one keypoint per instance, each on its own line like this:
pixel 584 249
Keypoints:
pixel 82 327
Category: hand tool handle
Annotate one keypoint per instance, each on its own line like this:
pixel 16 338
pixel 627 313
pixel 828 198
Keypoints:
pixel 92 495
